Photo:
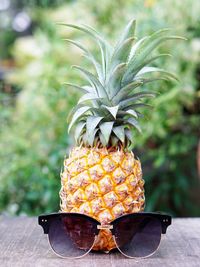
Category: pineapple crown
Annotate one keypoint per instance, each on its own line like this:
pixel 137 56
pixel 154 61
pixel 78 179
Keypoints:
pixel 107 113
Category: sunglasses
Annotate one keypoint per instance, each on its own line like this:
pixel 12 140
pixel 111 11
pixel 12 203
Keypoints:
pixel 73 235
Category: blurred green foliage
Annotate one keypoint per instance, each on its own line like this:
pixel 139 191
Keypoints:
pixel 34 104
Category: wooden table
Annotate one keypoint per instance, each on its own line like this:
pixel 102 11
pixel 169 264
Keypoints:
pixel 22 243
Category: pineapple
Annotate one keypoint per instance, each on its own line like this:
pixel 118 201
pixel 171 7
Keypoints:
pixel 102 178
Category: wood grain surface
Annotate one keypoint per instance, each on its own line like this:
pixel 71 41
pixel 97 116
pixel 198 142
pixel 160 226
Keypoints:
pixel 22 243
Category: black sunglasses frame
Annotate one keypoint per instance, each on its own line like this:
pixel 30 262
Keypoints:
pixel 45 220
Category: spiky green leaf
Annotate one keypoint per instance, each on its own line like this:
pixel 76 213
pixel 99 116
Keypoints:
pixel 119 132
pixel 125 91
pixel 127 32
pixel 147 70
pixel 114 141
pixel 138 105
pixel 91 32
pixel 106 129
pixel 130 138
pixel 150 60
pixel 135 48
pixel 81 88
pixel 73 110
pixel 132 113
pixel 89 56
pixel 105 48
pixel 114 82
pixel 102 139
pixel 91 130
pixel 121 52
pixel 134 123
pixel 140 46
pixel 135 97
pixel 87 97
pixel 79 128
pixel 129 134
pixel 113 110
pixel 100 90
pixel 140 57
pixel 79 112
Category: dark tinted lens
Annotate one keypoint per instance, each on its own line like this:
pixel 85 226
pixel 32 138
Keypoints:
pixel 138 236
pixel 71 236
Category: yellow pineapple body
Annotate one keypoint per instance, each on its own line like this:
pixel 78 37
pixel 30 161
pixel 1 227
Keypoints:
pixel 103 184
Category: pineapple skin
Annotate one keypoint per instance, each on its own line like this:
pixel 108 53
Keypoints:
pixel 104 184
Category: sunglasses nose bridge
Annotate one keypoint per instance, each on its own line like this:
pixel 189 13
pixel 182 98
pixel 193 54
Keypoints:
pixel 104 227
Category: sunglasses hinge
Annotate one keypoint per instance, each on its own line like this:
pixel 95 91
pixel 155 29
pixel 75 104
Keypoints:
pixel 108 227
pixel 43 220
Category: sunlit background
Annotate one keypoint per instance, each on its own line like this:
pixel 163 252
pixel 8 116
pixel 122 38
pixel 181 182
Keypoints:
pixel 34 103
